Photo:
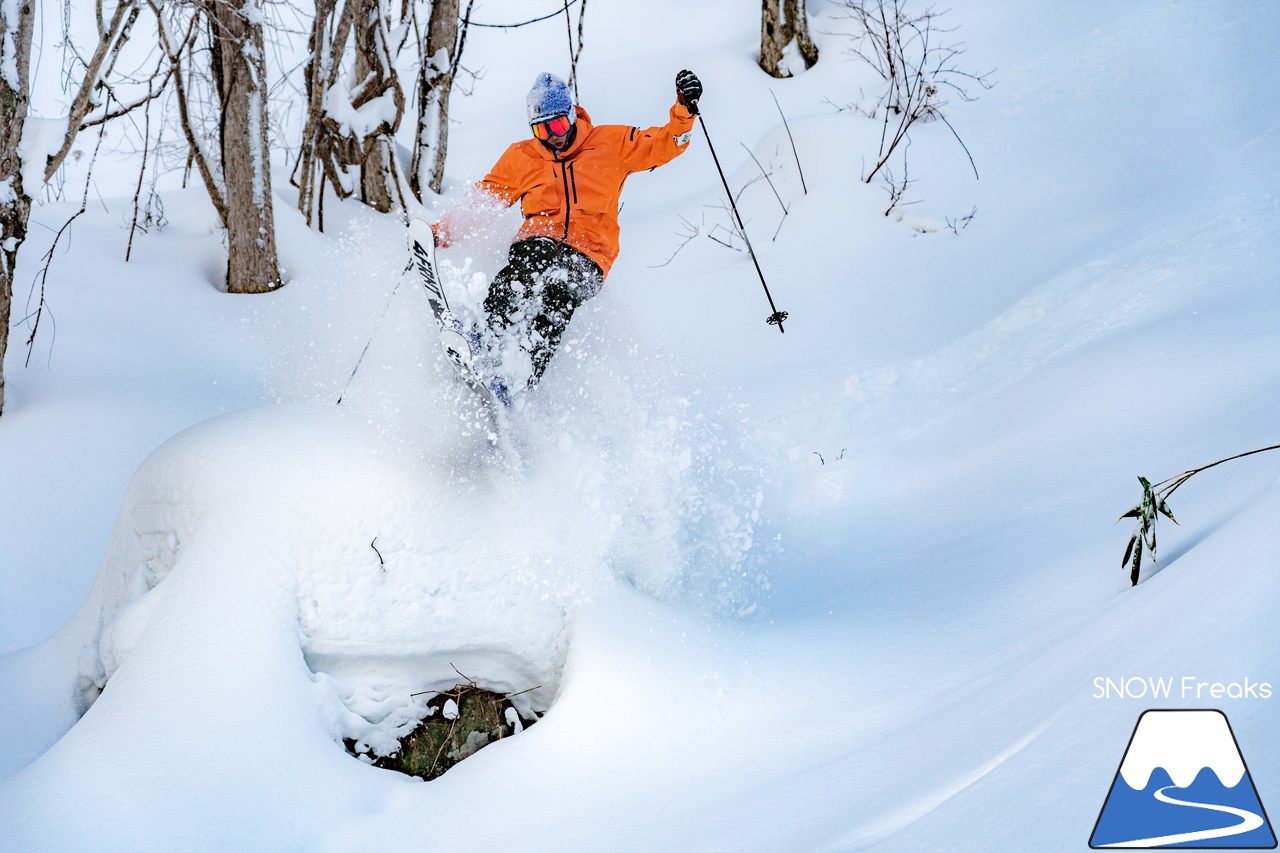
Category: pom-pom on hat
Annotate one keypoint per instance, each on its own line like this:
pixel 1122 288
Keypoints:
pixel 549 98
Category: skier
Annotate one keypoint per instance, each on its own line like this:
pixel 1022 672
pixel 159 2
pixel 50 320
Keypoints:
pixel 568 179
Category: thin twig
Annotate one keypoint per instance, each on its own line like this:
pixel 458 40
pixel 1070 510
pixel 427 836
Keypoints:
pixel 43 275
pixel 125 110
pixel 462 41
pixel 142 170
pixel 962 145
pixel 527 23
pixel 110 41
pixel 1179 479
pixel 197 153
pixel 693 230
pixel 794 153
pixel 469 679
pixel 781 203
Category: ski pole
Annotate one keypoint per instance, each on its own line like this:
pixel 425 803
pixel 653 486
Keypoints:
pixel 777 317
pixel 372 335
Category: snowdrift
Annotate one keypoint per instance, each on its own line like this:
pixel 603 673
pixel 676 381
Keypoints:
pixel 395 584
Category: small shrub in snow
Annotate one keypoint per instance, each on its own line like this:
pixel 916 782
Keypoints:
pixel 918 71
pixel 1153 505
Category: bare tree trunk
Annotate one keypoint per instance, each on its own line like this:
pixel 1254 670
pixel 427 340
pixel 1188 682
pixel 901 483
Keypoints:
pixel 782 22
pixel 240 70
pixel 773 37
pixel 15 203
pixel 434 83
pixel 330 147
pixel 798 18
pixel 374 69
pixel 317 76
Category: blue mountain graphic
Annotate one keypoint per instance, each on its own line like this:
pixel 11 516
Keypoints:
pixel 1131 814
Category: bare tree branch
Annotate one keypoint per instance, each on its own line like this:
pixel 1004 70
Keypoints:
pixel 174 49
pixel 111 39
pixel 153 92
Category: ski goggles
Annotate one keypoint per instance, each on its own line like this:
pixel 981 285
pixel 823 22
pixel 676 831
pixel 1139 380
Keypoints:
pixel 557 126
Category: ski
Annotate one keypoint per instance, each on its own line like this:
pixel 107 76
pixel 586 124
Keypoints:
pixel 422 247
pixel 453 337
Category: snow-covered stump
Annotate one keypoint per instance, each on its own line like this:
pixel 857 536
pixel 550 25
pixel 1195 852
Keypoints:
pixel 308 550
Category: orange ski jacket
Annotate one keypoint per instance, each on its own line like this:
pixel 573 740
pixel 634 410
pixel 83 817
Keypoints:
pixel 572 195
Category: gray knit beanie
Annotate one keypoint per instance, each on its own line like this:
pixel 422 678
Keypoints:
pixel 549 98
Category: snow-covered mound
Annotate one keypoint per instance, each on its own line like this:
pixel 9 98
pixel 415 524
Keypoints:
pixel 392 580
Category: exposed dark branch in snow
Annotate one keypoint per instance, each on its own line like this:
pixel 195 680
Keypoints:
pixel 973 165
pixel 897 187
pixel 470 681
pixel 958 225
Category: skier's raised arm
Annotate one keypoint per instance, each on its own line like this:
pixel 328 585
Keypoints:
pixel 648 149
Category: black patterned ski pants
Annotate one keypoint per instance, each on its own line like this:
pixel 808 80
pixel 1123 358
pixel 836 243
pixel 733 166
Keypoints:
pixel 532 300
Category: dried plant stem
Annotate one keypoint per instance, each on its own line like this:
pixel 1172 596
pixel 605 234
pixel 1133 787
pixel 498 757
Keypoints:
pixel 792 140
pixel 1172 484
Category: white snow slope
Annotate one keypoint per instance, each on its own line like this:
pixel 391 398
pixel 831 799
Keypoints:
pixel 847 587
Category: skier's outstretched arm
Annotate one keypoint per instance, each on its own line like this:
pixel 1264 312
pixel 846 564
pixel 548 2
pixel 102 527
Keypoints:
pixel 647 149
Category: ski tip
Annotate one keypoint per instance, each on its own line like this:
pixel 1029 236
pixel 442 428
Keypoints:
pixel 420 232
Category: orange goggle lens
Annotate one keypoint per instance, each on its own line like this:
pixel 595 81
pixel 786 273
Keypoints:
pixel 557 126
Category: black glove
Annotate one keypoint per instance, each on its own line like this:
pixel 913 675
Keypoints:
pixel 688 90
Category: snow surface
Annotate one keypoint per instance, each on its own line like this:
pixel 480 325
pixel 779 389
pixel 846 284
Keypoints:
pixel 843 588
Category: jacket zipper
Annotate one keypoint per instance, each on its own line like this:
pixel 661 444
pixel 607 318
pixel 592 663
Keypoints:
pixel 564 175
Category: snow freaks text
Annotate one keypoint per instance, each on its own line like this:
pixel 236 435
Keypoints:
pixel 1184 687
